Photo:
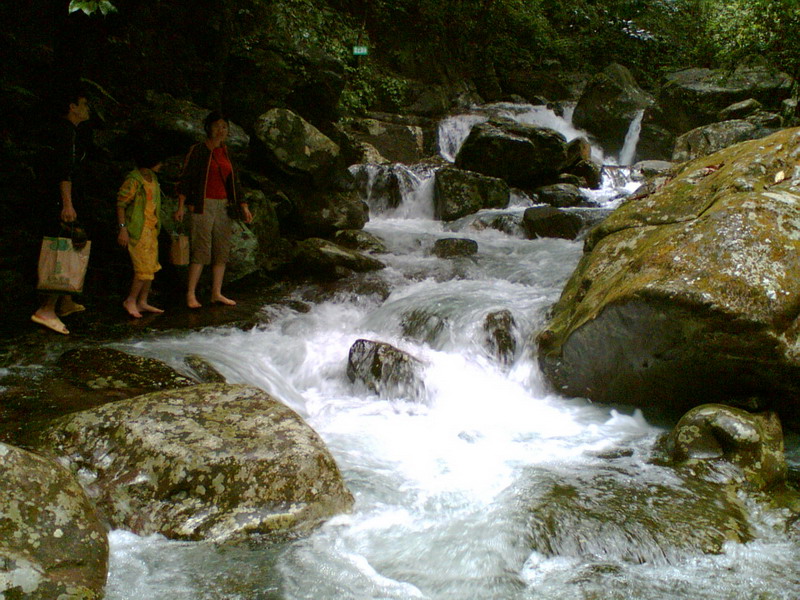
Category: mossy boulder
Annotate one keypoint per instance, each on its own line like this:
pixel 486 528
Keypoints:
pixel 458 193
pixel 690 294
pixel 708 139
pixel 322 258
pixel 455 247
pixel 213 461
pixel 52 543
pixel 711 434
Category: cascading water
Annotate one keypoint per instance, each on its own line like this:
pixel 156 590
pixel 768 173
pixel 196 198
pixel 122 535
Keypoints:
pixel 628 151
pixel 441 484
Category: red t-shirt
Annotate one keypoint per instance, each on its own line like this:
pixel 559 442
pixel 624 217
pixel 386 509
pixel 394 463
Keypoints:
pixel 218 172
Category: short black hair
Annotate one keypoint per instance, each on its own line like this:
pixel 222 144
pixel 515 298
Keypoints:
pixel 146 153
pixel 212 118
pixel 69 94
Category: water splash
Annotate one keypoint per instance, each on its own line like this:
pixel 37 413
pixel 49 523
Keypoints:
pixel 628 152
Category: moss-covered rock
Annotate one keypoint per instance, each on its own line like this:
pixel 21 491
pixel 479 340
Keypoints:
pixel 458 193
pixel 714 433
pixel 650 518
pixel 52 543
pixel 214 461
pixel 107 369
pixel 691 294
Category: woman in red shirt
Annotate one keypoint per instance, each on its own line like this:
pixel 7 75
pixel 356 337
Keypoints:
pixel 210 188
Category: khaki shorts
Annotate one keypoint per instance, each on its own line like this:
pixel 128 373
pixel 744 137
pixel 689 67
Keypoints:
pixel 144 254
pixel 210 233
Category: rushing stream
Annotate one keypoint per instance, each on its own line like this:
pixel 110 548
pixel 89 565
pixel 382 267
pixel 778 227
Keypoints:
pixel 437 481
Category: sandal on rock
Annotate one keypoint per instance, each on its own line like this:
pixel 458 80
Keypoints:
pixel 54 324
pixel 70 310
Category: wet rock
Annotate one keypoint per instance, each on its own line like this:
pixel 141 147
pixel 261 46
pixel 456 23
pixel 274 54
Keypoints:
pixel 358 239
pixel 320 257
pixel 107 369
pixel 694 97
pixel 294 146
pixel 655 142
pixel 714 433
pixel 321 213
pixel 455 247
pixel 381 185
pixel 458 193
pixel 560 195
pixel 589 173
pixel 385 370
pixel 501 340
pixel 578 149
pixel 608 104
pixel 395 142
pixel 522 155
pixel 214 461
pixel 645 169
pixel 711 138
pixel 424 325
pixel 689 295
pixel 641 518
pixel 740 110
pixel 52 543
pixel 551 222
pixel 205 371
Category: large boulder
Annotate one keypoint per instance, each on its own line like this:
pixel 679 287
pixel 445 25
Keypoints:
pixel 214 461
pixel 458 193
pixel 321 213
pixel 520 154
pixel 52 543
pixel 708 139
pixel 295 147
pixel 689 295
pixel 694 97
pixel 551 222
pixel 609 104
pixel 396 142
pixel 322 258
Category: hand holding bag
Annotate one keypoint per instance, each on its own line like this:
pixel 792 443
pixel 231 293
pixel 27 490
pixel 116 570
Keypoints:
pixel 63 260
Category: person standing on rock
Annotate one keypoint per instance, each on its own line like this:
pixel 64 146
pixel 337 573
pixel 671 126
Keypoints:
pixel 138 218
pixel 209 187
pixel 66 201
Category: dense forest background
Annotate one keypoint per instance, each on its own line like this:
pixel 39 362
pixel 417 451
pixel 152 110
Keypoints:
pixel 248 56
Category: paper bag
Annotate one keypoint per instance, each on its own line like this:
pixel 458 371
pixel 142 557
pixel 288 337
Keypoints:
pixel 62 268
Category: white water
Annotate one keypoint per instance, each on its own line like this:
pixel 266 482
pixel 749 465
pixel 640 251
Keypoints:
pixel 437 483
pixel 628 152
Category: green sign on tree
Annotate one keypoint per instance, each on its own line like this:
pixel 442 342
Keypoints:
pixel 360 51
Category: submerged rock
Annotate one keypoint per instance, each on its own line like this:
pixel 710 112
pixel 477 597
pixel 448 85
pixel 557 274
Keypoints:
pixel 52 543
pixel 501 340
pixel 385 370
pixel 455 247
pixel 214 461
pixel 616 515
pixel 205 371
pixel 691 294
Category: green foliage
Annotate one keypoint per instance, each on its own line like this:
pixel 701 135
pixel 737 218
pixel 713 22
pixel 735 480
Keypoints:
pixel 369 88
pixel 91 6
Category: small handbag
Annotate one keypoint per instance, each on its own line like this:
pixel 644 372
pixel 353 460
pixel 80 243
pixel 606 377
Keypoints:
pixel 63 260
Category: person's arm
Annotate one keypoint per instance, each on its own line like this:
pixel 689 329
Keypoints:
pixel 68 213
pixel 125 196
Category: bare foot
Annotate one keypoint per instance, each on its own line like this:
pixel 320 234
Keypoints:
pixel 130 306
pixel 145 307
pixel 223 300
pixel 191 301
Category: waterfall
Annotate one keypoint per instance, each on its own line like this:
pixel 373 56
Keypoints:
pixel 628 152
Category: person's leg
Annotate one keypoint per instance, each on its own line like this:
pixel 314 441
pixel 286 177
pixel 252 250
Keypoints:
pixel 200 227
pixel 220 252
pixel 142 303
pixel 46 315
pixel 195 270
pixel 217 275
pixel 131 302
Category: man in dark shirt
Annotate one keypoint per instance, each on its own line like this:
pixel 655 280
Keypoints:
pixel 70 151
